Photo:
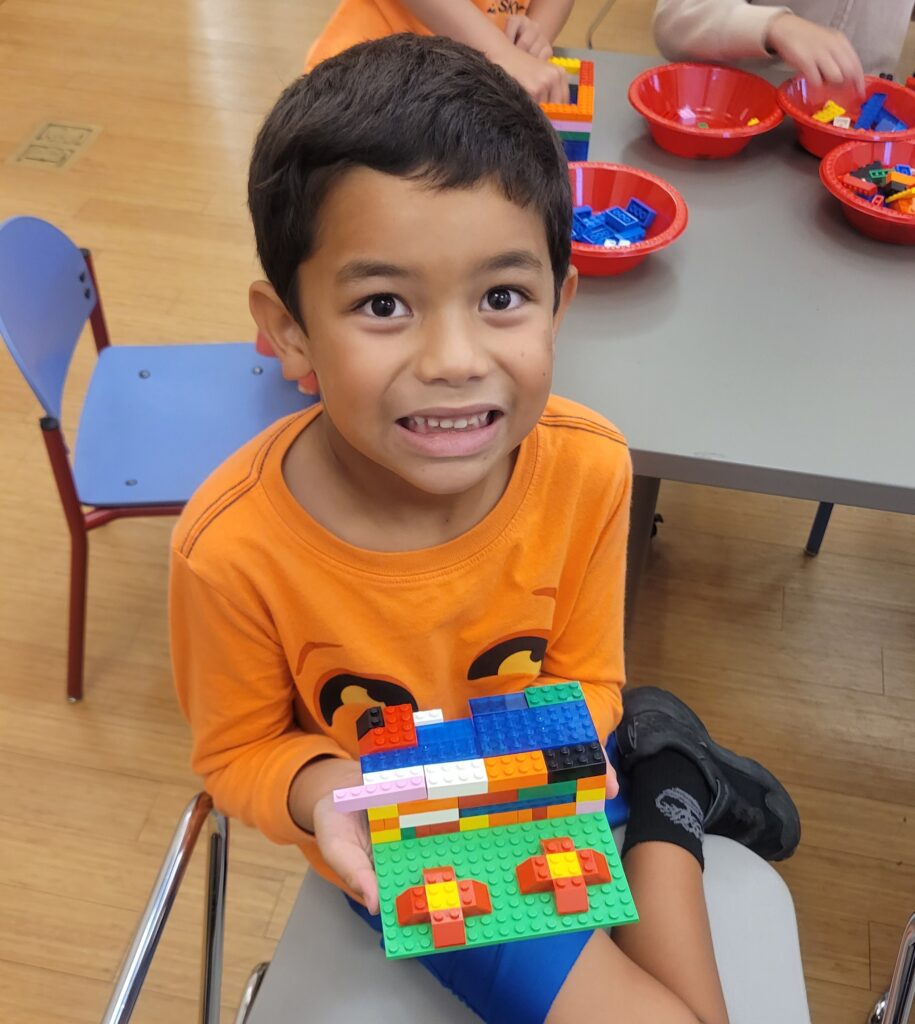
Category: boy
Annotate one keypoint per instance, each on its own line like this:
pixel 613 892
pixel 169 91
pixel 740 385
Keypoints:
pixel 516 34
pixel 830 41
pixel 439 527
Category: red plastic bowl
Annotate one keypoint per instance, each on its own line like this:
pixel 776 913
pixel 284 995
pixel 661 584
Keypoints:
pixel 601 186
pixel 880 222
pixel 801 101
pixel 675 98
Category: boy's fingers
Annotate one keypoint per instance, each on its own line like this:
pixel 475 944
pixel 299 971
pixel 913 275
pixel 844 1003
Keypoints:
pixel 613 783
pixel 513 28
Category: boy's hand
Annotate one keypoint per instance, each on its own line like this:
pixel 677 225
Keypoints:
pixel 820 54
pixel 613 784
pixel 545 82
pixel 343 839
pixel 527 35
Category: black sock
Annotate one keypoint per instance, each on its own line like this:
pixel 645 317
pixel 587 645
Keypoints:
pixel 668 800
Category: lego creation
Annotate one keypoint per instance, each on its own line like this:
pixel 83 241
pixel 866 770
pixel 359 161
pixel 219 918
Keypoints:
pixel 613 228
pixel 574 120
pixel 490 828
pixel 884 185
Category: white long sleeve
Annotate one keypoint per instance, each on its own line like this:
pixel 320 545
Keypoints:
pixel 735 30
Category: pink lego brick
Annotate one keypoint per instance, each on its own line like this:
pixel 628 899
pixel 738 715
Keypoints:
pixel 380 794
pixel 570 126
pixel 589 806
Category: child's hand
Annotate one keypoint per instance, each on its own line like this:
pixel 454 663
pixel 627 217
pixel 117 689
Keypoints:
pixel 528 36
pixel 545 82
pixel 820 54
pixel 344 839
pixel 613 784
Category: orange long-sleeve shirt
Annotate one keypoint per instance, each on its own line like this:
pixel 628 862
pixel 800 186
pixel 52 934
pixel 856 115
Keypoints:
pixel 282 633
pixel 355 21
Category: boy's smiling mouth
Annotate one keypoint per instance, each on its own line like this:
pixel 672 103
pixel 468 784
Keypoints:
pixel 451 432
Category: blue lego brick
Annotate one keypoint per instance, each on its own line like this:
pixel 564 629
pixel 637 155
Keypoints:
pixel 501 702
pixel 435 744
pixel 871 111
pixel 624 224
pixel 562 724
pixel 586 211
pixel 575 150
pixel 573 93
pixel 900 168
pixel 507 732
pixel 642 212
pixel 517 805
pixel 888 123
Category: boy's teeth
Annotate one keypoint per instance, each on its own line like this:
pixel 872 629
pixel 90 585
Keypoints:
pixel 461 423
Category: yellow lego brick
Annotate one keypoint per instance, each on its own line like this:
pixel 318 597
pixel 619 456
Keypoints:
pixel 908 194
pixel 380 813
pixel 474 822
pixel 584 795
pixel 443 896
pixel 753 122
pixel 563 865
pixel 568 63
pixel 387 835
pixel 829 113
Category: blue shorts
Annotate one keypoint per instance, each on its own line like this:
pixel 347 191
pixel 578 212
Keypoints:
pixel 517 982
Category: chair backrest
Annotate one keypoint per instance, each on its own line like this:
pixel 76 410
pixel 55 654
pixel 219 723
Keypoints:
pixel 46 296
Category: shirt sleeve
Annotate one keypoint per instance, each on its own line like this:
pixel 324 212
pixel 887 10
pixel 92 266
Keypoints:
pixel 589 647
pixel 236 690
pixel 712 29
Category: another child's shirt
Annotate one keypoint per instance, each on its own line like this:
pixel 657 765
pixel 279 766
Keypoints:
pixel 732 30
pixel 282 633
pixel 355 21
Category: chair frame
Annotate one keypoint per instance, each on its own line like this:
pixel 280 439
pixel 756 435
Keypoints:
pixel 80 520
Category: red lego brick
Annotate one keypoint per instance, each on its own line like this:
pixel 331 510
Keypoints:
pixel 571 895
pixel 397 733
pixel 412 907
pixel 448 928
pixel 594 867
pixel 534 875
pixel 487 799
pixel 431 876
pixel 474 897
pixel 561 844
pixel 538 814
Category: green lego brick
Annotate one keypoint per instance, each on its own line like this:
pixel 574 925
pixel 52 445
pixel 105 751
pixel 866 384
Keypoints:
pixel 550 790
pixel 408 833
pixel 555 693
pixel 491 856
pixel 574 137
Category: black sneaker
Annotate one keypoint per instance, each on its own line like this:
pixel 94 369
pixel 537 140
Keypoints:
pixel 748 804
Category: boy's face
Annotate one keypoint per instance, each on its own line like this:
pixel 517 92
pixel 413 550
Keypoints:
pixel 429 324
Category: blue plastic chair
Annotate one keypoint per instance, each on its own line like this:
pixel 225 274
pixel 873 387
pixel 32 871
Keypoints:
pixel 156 419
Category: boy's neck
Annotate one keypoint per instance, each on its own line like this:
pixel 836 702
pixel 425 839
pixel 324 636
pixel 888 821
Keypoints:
pixel 365 505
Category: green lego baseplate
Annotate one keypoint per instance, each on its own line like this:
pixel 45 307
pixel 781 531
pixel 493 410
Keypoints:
pixel 491 856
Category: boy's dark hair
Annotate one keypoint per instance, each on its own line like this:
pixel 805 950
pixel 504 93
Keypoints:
pixel 424 108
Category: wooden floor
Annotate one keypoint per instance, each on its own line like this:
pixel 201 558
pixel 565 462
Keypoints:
pixel 809 664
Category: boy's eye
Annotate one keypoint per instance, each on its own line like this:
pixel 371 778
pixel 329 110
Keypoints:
pixel 384 307
pixel 499 299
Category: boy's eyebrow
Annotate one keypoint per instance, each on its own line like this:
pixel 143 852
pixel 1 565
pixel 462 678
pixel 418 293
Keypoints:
pixel 356 270
pixel 513 259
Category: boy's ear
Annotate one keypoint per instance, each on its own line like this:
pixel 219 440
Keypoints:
pixel 566 294
pixel 288 340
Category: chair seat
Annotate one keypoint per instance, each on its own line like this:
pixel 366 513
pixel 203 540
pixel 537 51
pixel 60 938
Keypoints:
pixel 158 419
pixel 325 944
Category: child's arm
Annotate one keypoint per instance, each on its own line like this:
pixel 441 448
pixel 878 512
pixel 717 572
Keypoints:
pixel 549 15
pixel 734 29
pixel 464 21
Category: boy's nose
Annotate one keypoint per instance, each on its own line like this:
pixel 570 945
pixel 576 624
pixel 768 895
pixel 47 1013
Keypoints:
pixel 452 353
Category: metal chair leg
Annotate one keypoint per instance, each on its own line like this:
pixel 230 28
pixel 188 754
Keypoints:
pixel 592 28
pixel 818 530
pixel 896 1006
pixel 138 961
pixel 252 986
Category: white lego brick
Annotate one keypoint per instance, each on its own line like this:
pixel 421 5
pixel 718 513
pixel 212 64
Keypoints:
pixel 429 817
pixel 392 775
pixel 456 778
pixel 428 717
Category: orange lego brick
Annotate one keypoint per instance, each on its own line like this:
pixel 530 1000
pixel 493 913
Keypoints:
pixel 432 876
pixel 442 828
pixel 474 897
pixel 561 844
pixel 571 895
pixel 503 818
pixel 412 907
pixel 586 73
pixel 448 928
pixel 420 806
pixel 383 824
pixel 594 867
pixel 534 875
pixel 567 112
pixel 514 771
pixel 560 810
pixel 526 814
pixel 398 731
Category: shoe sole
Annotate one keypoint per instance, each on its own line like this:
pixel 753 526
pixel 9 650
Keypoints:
pixel 778 801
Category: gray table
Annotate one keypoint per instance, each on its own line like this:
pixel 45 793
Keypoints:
pixel 771 348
